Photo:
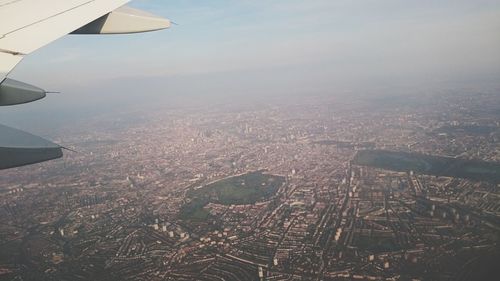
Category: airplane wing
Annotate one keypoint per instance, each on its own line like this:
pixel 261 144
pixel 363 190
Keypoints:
pixel 27 25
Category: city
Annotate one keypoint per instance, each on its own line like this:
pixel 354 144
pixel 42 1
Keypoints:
pixel 263 191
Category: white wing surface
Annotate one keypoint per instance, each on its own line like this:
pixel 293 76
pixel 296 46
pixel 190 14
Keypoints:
pixel 27 25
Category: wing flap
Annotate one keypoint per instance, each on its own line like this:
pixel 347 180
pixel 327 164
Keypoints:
pixel 32 12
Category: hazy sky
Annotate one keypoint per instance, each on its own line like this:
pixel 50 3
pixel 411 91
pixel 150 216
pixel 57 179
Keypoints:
pixel 275 46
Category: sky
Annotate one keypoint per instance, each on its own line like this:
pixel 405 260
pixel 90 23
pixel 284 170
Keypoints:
pixel 271 47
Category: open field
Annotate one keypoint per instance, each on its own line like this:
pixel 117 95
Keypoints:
pixel 240 190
